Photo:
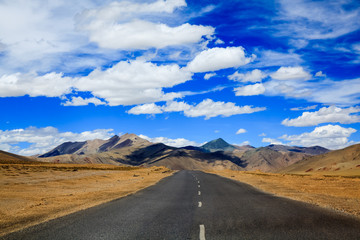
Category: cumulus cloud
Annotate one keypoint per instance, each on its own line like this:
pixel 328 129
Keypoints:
pixel 133 82
pixel 174 142
pixel 272 141
pixel 320 74
pixel 207 108
pixel 174 106
pixel 131 22
pixel 79 101
pixel 42 140
pixel 330 114
pixel 241 130
pixel 250 90
pixel 291 73
pixel 149 108
pixel 214 59
pixel 255 75
pixel 49 85
pixel 329 136
pixel 207 76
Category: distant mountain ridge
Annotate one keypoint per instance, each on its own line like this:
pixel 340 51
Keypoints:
pixel 130 149
pixel 343 161
pixel 96 146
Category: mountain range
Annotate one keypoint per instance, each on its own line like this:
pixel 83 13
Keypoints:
pixel 130 149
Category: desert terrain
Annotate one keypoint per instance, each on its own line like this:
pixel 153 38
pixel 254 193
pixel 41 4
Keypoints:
pixel 341 193
pixel 36 192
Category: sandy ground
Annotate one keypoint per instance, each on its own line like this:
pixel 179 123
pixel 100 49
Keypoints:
pixel 335 192
pixel 31 194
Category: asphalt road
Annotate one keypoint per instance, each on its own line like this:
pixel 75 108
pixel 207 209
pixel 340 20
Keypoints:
pixel 196 205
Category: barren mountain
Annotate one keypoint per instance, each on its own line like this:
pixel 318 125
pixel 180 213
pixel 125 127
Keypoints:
pixel 97 145
pixel 339 162
pixel 218 145
pixel 6 158
pixel 130 149
pixel 268 160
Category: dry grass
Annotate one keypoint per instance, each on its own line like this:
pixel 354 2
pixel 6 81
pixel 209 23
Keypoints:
pixel 335 192
pixel 34 193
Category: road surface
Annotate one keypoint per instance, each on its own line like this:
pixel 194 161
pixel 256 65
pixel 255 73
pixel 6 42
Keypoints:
pixel 196 205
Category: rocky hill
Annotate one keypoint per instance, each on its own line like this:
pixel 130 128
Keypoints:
pixel 218 145
pixel 97 145
pixel 339 162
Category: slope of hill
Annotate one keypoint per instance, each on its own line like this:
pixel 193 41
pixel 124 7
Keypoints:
pixel 315 150
pixel 339 162
pixel 97 145
pixel 6 158
pixel 218 145
pixel 268 160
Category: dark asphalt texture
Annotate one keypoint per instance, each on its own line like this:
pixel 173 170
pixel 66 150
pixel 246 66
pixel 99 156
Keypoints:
pixel 170 210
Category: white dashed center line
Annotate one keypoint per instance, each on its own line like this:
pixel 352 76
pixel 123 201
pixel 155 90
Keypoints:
pixel 202 232
pixel 200 204
pixel 198 185
pixel 199 193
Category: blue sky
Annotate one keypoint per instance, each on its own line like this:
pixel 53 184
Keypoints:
pixel 179 72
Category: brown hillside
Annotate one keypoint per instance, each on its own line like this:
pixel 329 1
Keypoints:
pixel 340 162
pixel 6 158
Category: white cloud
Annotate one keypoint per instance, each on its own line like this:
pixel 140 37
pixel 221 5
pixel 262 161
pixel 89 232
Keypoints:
pixel 330 114
pixel 270 58
pixel 262 135
pixel 320 74
pixel 326 91
pixel 42 140
pixel 318 19
pixel 255 75
pixel 304 108
pixel 250 90
pixel 209 109
pixel 335 92
pixel 219 41
pixel 148 108
pixel 207 76
pixel 244 143
pixel 131 22
pixel 79 101
pixel 329 136
pixel 49 85
pixel 134 82
pixel 241 130
pixel 176 142
pixel 219 58
pixel 37 31
pixel 291 73
pixel 174 106
pixel 272 141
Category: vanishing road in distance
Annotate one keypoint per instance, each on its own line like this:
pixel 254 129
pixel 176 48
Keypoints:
pixel 197 205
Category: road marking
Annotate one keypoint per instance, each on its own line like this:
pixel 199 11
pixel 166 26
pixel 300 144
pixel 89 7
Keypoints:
pixel 199 193
pixel 200 204
pixel 202 232
pixel 198 181
pixel 199 185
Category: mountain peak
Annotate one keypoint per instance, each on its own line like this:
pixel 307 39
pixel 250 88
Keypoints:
pixel 218 144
